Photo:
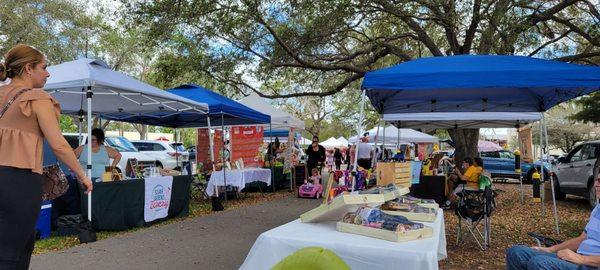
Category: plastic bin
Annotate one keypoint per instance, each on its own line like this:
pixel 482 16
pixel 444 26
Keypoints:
pixel 42 227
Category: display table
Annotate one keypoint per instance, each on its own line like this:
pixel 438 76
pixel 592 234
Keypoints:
pixel 237 178
pixel 119 205
pixel 359 252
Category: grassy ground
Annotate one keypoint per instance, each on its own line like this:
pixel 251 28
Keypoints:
pixel 197 209
pixel 511 222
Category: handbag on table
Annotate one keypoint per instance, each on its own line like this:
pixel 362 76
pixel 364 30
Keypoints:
pixel 54 180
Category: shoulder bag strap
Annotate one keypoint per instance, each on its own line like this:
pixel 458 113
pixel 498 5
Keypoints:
pixel 10 102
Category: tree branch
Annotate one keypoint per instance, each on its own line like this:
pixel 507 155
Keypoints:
pixel 470 34
pixel 573 58
pixel 549 42
pixel 412 24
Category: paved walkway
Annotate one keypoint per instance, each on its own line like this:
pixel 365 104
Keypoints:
pixel 218 241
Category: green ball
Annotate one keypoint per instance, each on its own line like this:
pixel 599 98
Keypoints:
pixel 312 258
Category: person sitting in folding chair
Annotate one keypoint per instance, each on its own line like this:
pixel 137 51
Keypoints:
pixel 582 252
pixel 467 181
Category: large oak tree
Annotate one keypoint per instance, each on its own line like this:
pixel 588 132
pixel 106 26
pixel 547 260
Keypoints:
pixel 271 47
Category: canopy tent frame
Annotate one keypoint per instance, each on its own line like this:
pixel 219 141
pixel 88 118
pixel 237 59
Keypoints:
pixel 479 83
pixel 89 75
pixel 543 146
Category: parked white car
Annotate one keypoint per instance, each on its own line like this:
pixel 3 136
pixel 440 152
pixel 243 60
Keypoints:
pixel 574 172
pixel 121 144
pixel 169 155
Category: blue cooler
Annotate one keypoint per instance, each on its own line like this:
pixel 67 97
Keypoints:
pixel 42 227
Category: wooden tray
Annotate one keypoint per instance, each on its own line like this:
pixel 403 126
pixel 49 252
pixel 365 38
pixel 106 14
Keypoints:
pixel 401 191
pixel 341 205
pixel 412 216
pixel 426 232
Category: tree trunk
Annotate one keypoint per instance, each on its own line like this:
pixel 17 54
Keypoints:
pixel 465 141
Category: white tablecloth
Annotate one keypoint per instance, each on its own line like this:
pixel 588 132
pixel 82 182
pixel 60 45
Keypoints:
pixel 359 252
pixel 237 178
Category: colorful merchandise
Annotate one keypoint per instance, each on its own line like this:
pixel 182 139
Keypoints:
pixel 375 218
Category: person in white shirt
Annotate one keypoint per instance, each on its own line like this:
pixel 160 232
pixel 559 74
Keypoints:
pixel 365 153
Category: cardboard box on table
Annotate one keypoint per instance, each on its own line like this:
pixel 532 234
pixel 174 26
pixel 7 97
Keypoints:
pixel 338 207
pixel 397 173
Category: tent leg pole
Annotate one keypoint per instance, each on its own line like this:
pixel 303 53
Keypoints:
pixel 542 164
pixel 376 144
pixel 359 129
pixel 521 187
pixel 89 95
pixel 551 180
pixel 383 144
pixel 269 156
pixel 223 155
pixel 211 144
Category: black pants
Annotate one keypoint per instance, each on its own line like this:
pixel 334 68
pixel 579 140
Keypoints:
pixel 338 164
pixel 364 162
pixel 20 202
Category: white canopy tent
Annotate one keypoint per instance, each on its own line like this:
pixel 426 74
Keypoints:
pixel 279 119
pixel 114 92
pixel 343 140
pixel 304 141
pixel 332 143
pixel 393 134
pixel 75 84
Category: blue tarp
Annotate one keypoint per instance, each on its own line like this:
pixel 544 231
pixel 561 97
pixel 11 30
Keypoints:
pixel 234 113
pixel 276 133
pixel 470 83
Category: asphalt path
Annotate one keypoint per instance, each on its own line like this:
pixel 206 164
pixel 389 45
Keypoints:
pixel 217 241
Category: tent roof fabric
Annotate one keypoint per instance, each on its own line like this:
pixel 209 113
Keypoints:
pixel 391 135
pixel 118 96
pixel 475 83
pixel 234 113
pixel 331 143
pixel 279 119
pixel 462 119
pixel 343 140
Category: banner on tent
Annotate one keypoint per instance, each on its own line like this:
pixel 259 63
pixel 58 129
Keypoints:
pixel 245 142
pixel 157 197
pixel 525 144
pixel 203 146
pixel 415 171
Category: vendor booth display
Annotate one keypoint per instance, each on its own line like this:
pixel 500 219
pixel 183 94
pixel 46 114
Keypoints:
pixel 122 205
pixel 398 173
pixel 373 222
pixel 411 211
pixel 113 95
pixel 364 236
pixel 479 83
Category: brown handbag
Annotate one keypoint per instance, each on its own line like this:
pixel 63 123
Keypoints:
pixel 54 180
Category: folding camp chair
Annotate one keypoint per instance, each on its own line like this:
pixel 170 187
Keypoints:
pixel 475 207
pixel 543 240
pixel 198 188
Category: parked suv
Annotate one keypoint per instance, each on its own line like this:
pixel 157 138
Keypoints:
pixel 574 172
pixel 121 144
pixel 167 154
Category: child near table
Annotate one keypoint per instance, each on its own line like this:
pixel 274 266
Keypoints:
pixel 329 160
pixel 314 178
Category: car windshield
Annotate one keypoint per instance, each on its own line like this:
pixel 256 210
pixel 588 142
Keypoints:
pixel 178 147
pixel 121 144
pixel 506 154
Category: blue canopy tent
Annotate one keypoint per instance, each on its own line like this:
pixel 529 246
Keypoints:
pixel 479 83
pixel 476 83
pixel 232 112
pixel 221 110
